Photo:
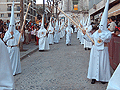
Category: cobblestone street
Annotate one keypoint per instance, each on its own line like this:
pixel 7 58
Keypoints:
pixel 61 68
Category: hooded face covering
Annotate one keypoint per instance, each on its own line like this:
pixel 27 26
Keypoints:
pixel 101 27
pixel 42 26
pixel 103 23
pixel 12 20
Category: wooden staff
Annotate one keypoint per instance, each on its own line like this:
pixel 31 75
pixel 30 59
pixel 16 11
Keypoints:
pixel 75 23
pixel 24 23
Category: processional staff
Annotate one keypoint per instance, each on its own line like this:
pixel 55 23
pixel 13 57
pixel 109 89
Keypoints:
pixel 23 23
pixel 75 23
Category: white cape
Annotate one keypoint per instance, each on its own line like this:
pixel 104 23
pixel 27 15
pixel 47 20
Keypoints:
pixel 43 40
pixel 86 43
pixel 6 77
pixel 50 35
pixel 99 65
pixel 69 31
pixel 56 35
pixel 14 51
pixel 114 83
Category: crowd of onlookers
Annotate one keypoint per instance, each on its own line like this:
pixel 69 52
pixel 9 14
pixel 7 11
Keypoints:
pixel 31 29
pixel 113 25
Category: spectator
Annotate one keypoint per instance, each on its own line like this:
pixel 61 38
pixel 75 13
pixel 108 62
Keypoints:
pixel 117 30
pixel 112 24
pixel 27 35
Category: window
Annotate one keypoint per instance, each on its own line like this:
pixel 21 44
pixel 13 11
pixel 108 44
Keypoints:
pixel 2 15
pixel 75 4
pixel 9 15
pixel 18 8
pixel 18 15
pixel 9 8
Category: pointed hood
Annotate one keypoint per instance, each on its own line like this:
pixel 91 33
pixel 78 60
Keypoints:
pixel 83 21
pixel 89 22
pixel 42 25
pixel 12 20
pixel 86 21
pixel 50 26
pixel 68 22
pixel 50 21
pixel 103 23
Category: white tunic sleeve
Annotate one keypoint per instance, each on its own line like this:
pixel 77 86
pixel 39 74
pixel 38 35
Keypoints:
pixel 87 38
pixel 7 37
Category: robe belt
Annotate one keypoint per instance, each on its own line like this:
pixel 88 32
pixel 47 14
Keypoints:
pixel 13 46
pixel 105 44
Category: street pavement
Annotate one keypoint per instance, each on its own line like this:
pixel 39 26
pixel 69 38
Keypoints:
pixel 61 68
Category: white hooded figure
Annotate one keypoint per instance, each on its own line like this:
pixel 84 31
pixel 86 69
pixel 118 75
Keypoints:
pixel 6 74
pixel 56 35
pixel 59 30
pixel 82 39
pixel 75 28
pixel 114 82
pixel 69 32
pixel 62 33
pixel 88 29
pixel 11 38
pixel 42 35
pixel 99 66
pixel 50 35
pixel 79 32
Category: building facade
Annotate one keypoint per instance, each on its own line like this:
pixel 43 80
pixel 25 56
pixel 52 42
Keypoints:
pixel 6 6
pixel 96 8
pixel 78 8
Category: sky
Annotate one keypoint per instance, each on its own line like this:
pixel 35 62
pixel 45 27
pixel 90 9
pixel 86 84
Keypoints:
pixel 40 2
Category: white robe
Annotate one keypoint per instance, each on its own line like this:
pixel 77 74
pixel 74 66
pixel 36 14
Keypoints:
pixel 6 77
pixel 114 83
pixel 69 32
pixel 75 28
pixel 14 51
pixel 43 40
pixel 62 33
pixel 56 35
pixel 86 43
pixel 99 65
pixel 81 38
pixel 50 35
pixel 78 34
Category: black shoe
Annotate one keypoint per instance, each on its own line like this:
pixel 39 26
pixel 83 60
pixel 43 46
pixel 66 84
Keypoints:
pixel 93 81
pixel 70 44
pixel 67 44
pixel 85 48
pixel 41 50
pixel 103 82
pixel 89 48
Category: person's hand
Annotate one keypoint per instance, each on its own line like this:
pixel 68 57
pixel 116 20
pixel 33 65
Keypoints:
pixel 99 31
pixel 11 33
pixel 84 32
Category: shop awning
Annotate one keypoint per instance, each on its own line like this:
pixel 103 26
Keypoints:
pixel 115 10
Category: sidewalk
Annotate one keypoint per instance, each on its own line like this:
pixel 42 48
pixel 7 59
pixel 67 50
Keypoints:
pixel 30 49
